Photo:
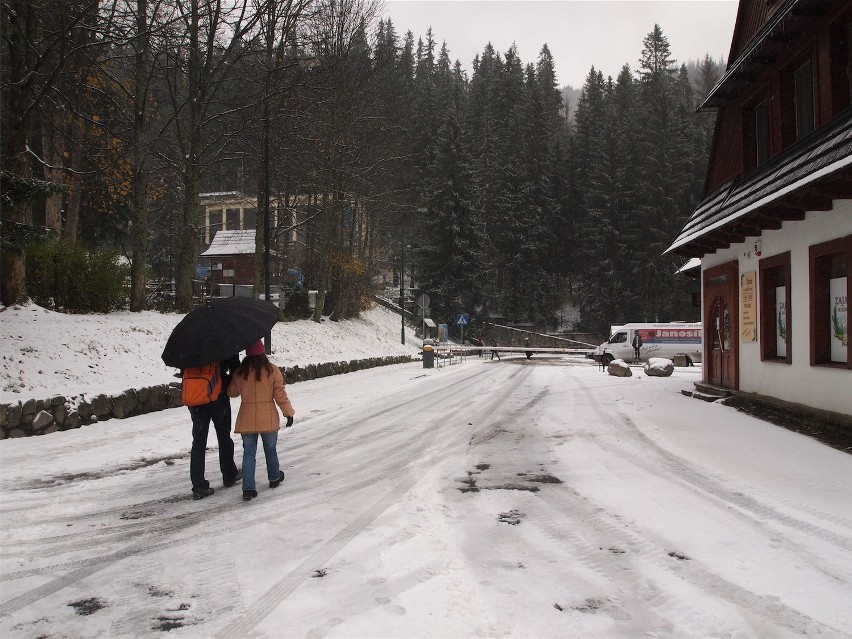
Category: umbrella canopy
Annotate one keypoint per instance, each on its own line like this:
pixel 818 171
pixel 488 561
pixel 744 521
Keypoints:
pixel 217 330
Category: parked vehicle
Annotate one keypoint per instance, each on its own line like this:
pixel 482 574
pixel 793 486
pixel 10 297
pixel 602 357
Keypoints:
pixel 658 340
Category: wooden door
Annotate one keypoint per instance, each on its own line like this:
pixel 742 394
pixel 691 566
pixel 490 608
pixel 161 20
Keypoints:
pixel 721 331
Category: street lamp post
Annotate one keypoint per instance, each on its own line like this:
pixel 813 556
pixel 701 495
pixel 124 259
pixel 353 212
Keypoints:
pixel 402 289
pixel 266 162
pixel 266 213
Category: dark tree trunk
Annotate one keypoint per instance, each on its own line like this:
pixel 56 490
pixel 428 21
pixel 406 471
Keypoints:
pixel 139 188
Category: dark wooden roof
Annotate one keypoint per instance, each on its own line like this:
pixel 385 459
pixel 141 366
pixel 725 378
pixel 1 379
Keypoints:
pixel 791 18
pixel 806 177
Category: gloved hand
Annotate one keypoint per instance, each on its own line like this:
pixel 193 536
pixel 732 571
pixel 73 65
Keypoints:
pixel 289 422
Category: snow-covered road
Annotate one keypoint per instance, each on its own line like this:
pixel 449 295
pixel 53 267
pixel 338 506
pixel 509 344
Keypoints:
pixel 519 498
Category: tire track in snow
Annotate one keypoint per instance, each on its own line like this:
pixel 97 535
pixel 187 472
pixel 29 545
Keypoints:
pixel 152 604
pixel 260 609
pixel 304 497
pixel 290 582
pixel 573 519
pixel 572 523
pixel 694 572
pixel 601 548
pixel 149 523
pixel 770 610
pixel 672 464
pixel 407 453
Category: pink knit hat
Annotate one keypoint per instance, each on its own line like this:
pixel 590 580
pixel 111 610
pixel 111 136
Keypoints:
pixel 256 349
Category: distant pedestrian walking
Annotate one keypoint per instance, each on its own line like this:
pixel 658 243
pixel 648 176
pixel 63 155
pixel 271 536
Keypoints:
pixel 494 352
pixel 527 345
pixel 261 386
pixel 637 345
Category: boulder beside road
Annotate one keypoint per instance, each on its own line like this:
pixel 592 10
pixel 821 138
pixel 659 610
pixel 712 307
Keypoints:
pixel 619 368
pixel 659 367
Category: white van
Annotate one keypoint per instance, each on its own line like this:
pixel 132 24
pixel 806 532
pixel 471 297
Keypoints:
pixel 658 340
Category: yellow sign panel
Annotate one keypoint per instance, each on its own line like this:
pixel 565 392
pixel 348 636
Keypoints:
pixel 748 307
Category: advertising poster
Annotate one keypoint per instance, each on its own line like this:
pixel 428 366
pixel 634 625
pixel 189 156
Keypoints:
pixel 670 336
pixel 748 309
pixel 781 321
pixel 839 329
pixel 443 333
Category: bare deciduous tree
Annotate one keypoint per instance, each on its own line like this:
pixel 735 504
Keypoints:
pixel 38 40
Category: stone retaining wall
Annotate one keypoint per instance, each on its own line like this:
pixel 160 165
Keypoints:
pixel 42 416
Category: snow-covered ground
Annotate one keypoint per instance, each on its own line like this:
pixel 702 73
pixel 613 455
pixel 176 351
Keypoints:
pixel 504 498
pixel 44 353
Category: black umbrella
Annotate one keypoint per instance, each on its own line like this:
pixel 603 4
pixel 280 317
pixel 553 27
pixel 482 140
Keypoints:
pixel 219 329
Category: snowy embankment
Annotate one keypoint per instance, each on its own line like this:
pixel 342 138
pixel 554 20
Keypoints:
pixel 44 353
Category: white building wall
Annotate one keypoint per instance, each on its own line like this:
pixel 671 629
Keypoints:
pixel 816 386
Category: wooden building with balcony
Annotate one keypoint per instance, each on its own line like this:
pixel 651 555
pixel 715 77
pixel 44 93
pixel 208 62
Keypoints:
pixel 774 228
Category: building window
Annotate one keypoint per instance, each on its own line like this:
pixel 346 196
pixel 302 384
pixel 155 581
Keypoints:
pixel 761 132
pixel 249 219
pixel 775 311
pixel 829 294
pixel 232 219
pixel 215 224
pixel 840 53
pixel 803 79
pixel 756 132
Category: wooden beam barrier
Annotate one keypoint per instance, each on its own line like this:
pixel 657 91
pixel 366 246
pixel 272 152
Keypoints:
pixel 458 350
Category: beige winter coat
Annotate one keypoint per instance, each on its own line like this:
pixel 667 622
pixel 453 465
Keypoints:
pixel 257 411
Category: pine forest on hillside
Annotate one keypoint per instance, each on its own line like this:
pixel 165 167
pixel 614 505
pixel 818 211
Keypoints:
pixel 512 202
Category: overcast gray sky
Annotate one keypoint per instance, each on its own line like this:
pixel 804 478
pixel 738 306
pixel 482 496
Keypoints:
pixel 605 34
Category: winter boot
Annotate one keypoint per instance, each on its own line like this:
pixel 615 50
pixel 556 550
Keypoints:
pixel 248 495
pixel 274 483
pixel 236 478
pixel 201 493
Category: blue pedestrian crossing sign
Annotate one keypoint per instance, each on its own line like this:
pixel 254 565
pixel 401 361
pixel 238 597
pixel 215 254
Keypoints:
pixel 462 319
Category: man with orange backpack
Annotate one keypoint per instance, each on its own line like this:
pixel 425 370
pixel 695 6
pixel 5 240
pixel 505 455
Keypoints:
pixel 204 391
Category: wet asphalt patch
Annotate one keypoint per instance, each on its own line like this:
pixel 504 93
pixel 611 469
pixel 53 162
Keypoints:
pixel 167 622
pixel 613 550
pixel 85 607
pixel 513 517
pixel 527 481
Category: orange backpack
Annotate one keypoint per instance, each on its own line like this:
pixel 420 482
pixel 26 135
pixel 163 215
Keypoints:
pixel 201 385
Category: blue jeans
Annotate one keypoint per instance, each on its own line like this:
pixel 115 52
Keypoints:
pixel 219 412
pixel 273 470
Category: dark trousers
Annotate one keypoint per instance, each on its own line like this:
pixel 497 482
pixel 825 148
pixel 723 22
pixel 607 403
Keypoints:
pixel 219 412
pixel 636 353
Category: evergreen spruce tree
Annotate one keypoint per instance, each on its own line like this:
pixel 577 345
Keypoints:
pixel 600 294
pixel 625 126
pixel 565 248
pixel 664 176
pixel 451 261
pixel 587 139
pixel 709 74
pixel 521 238
pixel 407 64
pixel 549 92
pixel 425 120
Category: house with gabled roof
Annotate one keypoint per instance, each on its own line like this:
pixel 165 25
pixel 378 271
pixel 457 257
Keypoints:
pixel 230 257
pixel 774 228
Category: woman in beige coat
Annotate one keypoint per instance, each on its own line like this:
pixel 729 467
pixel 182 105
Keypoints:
pixel 260 385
